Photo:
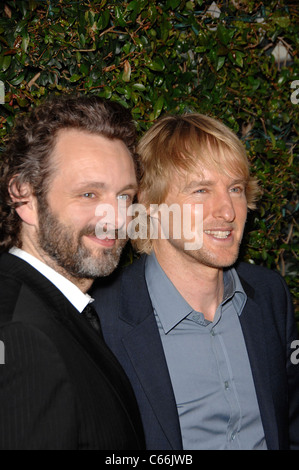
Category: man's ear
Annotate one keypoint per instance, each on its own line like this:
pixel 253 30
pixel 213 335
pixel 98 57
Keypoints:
pixel 26 204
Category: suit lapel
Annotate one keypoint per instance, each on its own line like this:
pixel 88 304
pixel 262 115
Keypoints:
pixel 145 350
pixel 254 331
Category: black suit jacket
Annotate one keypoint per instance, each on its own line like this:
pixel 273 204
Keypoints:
pixel 60 386
pixel 268 325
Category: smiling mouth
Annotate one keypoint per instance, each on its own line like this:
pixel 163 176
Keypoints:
pixel 104 241
pixel 221 234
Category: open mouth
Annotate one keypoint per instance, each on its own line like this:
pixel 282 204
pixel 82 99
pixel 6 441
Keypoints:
pixel 220 234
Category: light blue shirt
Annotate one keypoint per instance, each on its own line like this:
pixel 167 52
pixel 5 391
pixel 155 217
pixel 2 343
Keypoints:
pixel 208 365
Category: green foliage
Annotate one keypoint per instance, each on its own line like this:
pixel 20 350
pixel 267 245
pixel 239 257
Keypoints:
pixel 170 56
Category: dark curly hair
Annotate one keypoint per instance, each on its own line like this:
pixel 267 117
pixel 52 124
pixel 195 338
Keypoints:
pixel 27 156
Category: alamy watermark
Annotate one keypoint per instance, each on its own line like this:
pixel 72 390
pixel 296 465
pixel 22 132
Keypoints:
pixel 2 93
pixel 295 94
pixel 295 354
pixel 159 221
pixel 2 353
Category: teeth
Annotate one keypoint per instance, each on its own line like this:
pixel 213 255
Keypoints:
pixel 217 233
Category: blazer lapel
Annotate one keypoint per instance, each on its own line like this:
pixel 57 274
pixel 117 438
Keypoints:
pixel 254 331
pixel 145 350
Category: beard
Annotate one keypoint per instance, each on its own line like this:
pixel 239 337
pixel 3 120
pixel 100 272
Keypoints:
pixel 206 257
pixel 65 248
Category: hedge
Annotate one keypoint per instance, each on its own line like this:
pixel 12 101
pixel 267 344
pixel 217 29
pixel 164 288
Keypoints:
pixel 174 56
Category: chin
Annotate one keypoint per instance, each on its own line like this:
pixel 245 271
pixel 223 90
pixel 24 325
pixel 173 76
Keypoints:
pixel 212 260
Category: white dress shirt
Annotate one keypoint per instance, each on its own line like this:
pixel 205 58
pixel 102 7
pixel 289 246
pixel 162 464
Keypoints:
pixel 77 298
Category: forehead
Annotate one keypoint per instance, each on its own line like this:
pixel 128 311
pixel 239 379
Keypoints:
pixel 79 149
pixel 72 143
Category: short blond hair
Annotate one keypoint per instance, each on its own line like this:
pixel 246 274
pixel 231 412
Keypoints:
pixel 178 144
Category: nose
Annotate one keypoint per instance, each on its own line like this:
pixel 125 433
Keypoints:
pixel 223 207
pixel 120 215
pixel 111 217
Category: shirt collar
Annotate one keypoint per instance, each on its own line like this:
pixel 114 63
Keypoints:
pixel 233 289
pixel 77 298
pixel 169 304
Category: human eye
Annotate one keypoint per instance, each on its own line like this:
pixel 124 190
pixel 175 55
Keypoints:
pixel 88 195
pixel 237 189
pixel 126 198
pixel 200 191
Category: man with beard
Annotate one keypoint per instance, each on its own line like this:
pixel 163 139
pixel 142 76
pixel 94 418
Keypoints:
pixel 60 386
pixel 207 342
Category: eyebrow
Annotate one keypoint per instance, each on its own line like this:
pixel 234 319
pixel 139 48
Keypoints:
pixel 101 185
pixel 195 183
pixel 130 186
pixel 93 184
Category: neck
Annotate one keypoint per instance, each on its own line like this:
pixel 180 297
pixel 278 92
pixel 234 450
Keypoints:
pixel 200 285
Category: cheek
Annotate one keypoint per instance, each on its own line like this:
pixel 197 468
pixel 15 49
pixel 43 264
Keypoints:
pixel 76 216
pixel 195 213
pixel 207 210
pixel 241 213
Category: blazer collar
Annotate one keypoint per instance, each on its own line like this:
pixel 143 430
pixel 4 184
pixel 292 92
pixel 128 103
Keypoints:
pixel 135 308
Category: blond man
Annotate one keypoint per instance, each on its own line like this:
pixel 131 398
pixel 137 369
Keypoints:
pixel 205 340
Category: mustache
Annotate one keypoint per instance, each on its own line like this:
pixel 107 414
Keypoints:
pixel 90 231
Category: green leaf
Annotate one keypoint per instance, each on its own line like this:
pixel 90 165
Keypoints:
pixel 224 34
pixel 75 77
pixel 104 20
pixel 236 57
pixel 157 108
pixel 173 4
pixel 239 58
pixel 132 6
pixel 134 9
pixel 25 41
pixel 139 87
pixel 106 93
pixel 17 80
pixel 84 69
pixel 254 83
pixel 282 21
pixel 203 39
pixel 157 64
pixel 120 17
pixel 220 62
pixel 5 63
pixel 82 39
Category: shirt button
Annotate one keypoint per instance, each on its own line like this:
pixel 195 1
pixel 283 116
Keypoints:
pixel 226 385
pixel 212 332
pixel 233 436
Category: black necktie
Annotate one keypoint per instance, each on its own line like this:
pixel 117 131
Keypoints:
pixel 91 315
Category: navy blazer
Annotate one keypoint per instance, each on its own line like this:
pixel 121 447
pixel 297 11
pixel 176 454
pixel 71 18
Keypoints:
pixel 130 330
